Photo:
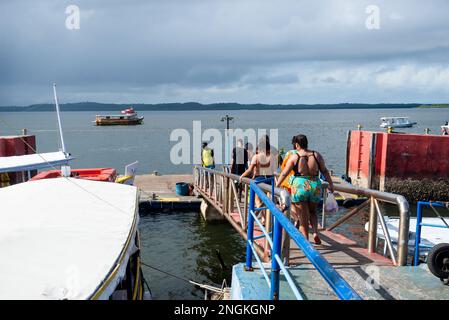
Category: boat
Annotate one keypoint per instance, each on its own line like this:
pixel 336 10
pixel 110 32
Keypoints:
pixel 127 117
pixel 70 239
pixel 95 174
pixel 445 129
pixel 430 236
pixel 396 122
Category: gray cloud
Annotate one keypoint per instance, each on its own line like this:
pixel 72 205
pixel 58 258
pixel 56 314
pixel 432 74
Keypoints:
pixel 209 51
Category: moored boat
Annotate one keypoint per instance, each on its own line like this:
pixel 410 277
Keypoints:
pixel 445 129
pixel 396 122
pixel 96 174
pixel 70 239
pixel 127 117
pixel 430 236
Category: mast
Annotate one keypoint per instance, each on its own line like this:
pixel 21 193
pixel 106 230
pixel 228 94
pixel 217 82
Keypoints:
pixel 65 170
pixel 59 118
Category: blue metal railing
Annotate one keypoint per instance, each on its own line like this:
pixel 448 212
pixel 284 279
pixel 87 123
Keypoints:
pixel 341 288
pixel 420 224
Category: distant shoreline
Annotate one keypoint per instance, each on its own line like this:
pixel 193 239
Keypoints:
pixel 194 106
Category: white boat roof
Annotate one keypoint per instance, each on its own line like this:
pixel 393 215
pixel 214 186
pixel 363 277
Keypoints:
pixel 36 161
pixel 388 118
pixel 60 238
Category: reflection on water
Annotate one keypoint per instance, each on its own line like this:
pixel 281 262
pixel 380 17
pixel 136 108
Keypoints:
pixel 185 245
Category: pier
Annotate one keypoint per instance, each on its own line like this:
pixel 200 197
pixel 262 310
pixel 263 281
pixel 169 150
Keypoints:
pixel 282 264
pixel 158 193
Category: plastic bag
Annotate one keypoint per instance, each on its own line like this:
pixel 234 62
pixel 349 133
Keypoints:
pixel 331 204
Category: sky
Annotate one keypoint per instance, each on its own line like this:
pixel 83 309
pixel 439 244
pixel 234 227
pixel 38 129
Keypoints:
pixel 246 51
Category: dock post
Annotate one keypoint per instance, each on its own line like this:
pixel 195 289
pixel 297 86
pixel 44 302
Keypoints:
pixel 275 269
pixel 403 235
pixel 372 232
pixel 250 232
pixel 418 233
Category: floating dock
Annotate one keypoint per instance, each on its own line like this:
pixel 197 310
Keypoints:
pixel 158 193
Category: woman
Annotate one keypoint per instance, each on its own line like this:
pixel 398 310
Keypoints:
pixel 263 166
pixel 305 184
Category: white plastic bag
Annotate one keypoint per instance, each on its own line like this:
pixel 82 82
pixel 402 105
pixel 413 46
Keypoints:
pixel 331 205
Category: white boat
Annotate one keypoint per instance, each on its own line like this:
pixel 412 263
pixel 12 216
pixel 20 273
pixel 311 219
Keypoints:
pixel 68 238
pixel 445 129
pixel 396 122
pixel 430 236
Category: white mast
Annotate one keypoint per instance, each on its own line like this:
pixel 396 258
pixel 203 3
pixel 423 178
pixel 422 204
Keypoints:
pixel 65 170
pixel 59 118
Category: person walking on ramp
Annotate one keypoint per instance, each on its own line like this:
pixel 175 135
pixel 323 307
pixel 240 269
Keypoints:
pixel 305 184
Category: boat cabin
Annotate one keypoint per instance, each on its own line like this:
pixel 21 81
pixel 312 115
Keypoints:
pixel 396 122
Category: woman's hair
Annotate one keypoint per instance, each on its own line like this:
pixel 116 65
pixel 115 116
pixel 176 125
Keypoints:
pixel 264 144
pixel 301 140
pixel 248 146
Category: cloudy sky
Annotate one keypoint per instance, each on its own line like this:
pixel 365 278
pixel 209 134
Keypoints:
pixel 247 51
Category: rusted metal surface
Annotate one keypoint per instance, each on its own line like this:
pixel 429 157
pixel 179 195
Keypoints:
pixel 413 165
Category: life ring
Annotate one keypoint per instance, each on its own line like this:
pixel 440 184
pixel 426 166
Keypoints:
pixel 438 261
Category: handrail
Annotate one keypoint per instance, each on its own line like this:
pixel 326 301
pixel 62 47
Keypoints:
pixel 283 197
pixel 419 223
pixel 341 288
pixel 374 196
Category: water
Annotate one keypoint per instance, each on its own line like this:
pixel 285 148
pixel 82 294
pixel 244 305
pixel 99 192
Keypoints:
pixel 185 245
pixel 150 143
pixel 181 243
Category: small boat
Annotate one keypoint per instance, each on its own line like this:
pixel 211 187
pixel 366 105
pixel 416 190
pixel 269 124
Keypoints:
pixel 396 122
pixel 127 117
pixel 95 174
pixel 445 129
pixel 70 239
pixel 430 236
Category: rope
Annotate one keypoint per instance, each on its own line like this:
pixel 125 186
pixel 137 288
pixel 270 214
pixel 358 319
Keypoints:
pixel 197 284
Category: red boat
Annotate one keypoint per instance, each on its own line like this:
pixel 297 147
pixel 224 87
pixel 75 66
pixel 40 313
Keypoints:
pixel 96 174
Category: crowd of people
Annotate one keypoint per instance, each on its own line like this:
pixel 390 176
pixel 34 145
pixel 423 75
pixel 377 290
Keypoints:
pixel 300 174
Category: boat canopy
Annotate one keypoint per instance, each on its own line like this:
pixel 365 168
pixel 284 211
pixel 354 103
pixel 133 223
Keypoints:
pixel 36 161
pixel 65 238
pixel 393 118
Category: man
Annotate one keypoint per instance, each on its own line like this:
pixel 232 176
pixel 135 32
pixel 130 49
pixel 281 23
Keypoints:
pixel 207 157
pixel 239 163
pixel 207 161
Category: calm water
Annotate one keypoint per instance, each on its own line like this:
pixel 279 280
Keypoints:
pixel 185 245
pixel 181 243
pixel 150 143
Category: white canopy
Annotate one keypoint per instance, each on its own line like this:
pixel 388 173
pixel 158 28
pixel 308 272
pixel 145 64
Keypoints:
pixel 60 238
pixel 33 161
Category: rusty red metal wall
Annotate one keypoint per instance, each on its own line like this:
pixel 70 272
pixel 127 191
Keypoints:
pixel 359 157
pixel 412 156
pixel 17 146
pixel 400 163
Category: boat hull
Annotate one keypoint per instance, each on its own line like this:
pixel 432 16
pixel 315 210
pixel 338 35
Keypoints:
pixel 118 122
pixel 408 125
